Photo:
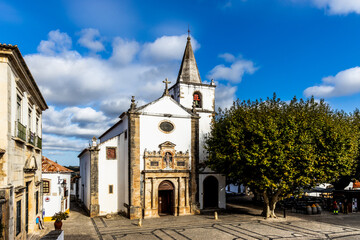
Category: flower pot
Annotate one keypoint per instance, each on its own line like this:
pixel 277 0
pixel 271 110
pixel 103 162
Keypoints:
pixel 58 225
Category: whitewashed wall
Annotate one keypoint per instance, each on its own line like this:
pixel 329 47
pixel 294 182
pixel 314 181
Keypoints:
pixel 123 173
pixel 85 179
pixel 117 130
pixel 108 175
pixel 73 190
pixel 151 136
pixel 207 92
pixel 56 193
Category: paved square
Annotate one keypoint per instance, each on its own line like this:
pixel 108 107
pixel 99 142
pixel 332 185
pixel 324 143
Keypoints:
pixel 205 227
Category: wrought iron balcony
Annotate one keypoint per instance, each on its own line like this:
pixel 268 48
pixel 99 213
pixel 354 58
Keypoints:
pixel 31 138
pixel 20 131
pixel 38 142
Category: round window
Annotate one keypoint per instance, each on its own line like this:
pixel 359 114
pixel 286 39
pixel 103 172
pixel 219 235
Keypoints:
pixel 166 126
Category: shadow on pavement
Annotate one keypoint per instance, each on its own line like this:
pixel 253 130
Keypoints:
pixel 75 207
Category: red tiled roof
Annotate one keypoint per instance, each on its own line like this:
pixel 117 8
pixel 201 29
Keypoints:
pixel 49 166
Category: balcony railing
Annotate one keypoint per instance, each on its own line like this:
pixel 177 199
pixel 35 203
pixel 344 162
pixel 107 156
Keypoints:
pixel 38 142
pixel 20 131
pixel 27 136
pixel 31 138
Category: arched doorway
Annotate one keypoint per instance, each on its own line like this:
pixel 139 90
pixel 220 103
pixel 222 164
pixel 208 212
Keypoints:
pixel 166 195
pixel 211 192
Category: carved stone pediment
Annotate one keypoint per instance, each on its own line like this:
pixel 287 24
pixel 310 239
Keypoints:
pixel 167 144
pixel 167 158
pixel 30 164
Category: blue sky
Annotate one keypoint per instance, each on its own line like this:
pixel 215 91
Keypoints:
pixel 89 57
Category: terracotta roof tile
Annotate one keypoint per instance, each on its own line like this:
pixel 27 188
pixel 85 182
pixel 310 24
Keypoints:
pixel 49 166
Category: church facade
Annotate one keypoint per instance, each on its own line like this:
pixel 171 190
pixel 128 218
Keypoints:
pixel 151 162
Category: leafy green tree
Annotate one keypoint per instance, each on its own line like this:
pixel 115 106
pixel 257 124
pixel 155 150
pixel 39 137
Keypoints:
pixel 277 148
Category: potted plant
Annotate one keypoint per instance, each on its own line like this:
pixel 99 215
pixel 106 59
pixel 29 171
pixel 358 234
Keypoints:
pixel 58 217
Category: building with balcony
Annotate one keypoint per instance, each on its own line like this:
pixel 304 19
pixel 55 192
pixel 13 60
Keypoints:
pixel 21 107
pixel 56 188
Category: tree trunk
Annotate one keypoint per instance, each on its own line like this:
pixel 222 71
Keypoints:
pixel 270 205
pixel 266 207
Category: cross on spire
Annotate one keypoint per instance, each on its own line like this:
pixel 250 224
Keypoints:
pixel 188 32
pixel 166 92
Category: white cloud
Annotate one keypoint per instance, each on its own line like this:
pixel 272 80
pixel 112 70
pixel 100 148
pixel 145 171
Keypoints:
pixel 124 51
pixel 61 143
pixel 57 42
pixel 90 39
pixel 228 57
pixel 167 48
pixel 224 95
pixel 75 121
pixel 67 78
pixel 341 7
pixel 102 86
pixel 344 83
pixel 235 71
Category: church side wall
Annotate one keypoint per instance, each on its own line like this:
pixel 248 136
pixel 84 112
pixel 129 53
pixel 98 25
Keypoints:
pixel 85 179
pixel 116 131
pixel 123 173
pixel 108 172
pixel 204 130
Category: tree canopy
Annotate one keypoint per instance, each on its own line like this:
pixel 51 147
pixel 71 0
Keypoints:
pixel 277 148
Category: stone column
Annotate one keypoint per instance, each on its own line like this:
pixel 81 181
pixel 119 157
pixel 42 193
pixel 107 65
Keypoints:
pixel 180 196
pixel 194 175
pixel 135 210
pixel 94 180
pixel 147 198
pixel 152 194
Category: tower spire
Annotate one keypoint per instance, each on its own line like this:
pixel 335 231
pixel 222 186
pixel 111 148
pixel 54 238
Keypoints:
pixel 189 72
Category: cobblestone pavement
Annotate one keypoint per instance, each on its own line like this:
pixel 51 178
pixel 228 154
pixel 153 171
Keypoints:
pixel 244 225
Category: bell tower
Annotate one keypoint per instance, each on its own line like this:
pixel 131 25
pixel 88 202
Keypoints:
pixel 191 93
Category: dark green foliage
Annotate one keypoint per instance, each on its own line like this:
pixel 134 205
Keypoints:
pixel 277 148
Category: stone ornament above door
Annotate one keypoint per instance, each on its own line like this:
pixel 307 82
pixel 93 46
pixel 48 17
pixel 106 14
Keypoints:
pixel 167 158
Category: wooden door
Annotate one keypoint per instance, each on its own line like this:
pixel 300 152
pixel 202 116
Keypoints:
pixel 165 202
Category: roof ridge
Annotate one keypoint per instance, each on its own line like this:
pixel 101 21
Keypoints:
pixel 51 166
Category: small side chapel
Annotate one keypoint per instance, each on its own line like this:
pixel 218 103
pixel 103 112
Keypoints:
pixel 150 163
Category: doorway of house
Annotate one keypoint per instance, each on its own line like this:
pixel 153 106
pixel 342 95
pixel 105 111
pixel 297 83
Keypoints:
pixel 166 195
pixel 211 192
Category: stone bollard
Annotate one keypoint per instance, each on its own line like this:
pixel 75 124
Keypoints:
pixel 215 216
pixel 308 209
pixel 314 209
pixel 318 208
pixel 140 222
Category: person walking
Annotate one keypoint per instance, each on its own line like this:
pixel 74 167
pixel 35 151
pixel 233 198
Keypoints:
pixel 336 208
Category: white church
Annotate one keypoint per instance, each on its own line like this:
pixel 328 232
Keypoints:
pixel 151 162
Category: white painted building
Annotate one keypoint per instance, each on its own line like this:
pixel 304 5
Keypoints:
pixel 56 188
pixel 21 107
pixel 150 162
